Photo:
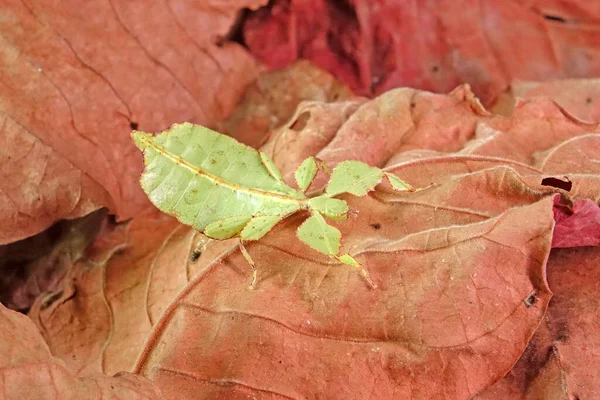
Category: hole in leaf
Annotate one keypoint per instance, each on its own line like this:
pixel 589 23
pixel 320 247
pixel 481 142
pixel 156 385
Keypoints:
pixel 558 183
pixel 300 122
pixel 555 18
pixel 531 299
pixel 133 125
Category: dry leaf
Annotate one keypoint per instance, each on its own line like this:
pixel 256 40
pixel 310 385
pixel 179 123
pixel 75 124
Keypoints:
pixel 561 361
pixel 78 77
pixel 29 372
pixel 378 45
pixel 460 265
pixel 273 98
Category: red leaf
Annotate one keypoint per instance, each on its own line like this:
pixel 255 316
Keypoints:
pixel 378 45
pixel 577 227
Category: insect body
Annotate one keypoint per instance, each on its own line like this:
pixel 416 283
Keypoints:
pixel 226 189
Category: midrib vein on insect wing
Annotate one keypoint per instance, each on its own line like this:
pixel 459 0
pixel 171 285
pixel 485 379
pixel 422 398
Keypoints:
pixel 180 161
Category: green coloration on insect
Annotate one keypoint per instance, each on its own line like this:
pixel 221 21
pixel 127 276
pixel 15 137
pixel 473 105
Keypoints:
pixel 226 189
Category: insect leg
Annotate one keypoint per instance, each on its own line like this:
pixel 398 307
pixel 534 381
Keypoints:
pixel 348 259
pixel 250 261
pixel 323 166
pixel 201 244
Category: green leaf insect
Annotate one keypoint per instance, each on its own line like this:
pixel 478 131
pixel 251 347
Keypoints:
pixel 226 189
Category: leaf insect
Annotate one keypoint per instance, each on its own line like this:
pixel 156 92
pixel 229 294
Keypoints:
pixel 225 189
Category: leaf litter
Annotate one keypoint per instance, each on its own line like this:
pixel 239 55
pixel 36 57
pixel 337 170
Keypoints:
pixel 484 184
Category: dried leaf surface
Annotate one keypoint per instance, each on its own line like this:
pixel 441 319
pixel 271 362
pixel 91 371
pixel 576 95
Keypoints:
pixel 378 45
pixel 274 97
pixel 580 97
pixel 28 371
pixel 77 77
pixel 460 265
pixel 561 361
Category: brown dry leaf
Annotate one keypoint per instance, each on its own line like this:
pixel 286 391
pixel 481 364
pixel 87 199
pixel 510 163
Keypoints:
pixel 561 361
pixel 460 267
pixel 274 97
pixel 28 371
pixel 37 264
pixel 580 97
pixel 100 318
pixel 76 78
pixel 445 320
pixel 376 45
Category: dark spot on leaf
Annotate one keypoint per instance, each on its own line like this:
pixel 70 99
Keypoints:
pixel 588 100
pixel 280 361
pixel 554 18
pixel 435 69
pixel 413 105
pixel 376 225
pixel 531 299
pixel 300 122
pixel 133 125
pixel 558 183
pixel 213 161
pixel 356 177
pixel 560 328
pixel 535 356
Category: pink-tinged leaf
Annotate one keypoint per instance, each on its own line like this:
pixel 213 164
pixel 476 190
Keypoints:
pixel 76 78
pixel 112 296
pixel 580 97
pixel 28 371
pixel 561 361
pixel 444 311
pixel 577 227
pixel 376 45
pixel 274 97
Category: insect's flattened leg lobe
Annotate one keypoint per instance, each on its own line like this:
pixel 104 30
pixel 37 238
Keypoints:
pixel 250 261
pixel 271 167
pixel 258 227
pixel 306 173
pixel 227 227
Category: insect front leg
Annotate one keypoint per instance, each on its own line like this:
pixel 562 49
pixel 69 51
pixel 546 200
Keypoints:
pixel 250 261
pixel 199 248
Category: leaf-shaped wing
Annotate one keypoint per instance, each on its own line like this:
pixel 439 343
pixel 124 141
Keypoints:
pixel 201 176
pixel 354 177
pixel 322 237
